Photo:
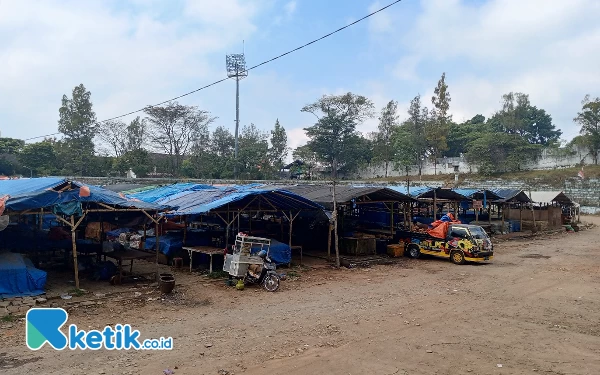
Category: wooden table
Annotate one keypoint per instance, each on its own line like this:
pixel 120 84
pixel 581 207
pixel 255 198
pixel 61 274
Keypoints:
pixel 208 250
pixel 131 255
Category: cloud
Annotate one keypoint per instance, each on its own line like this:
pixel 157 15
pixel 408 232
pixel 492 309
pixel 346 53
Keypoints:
pixel 128 55
pixel 290 8
pixel 545 49
pixel 380 22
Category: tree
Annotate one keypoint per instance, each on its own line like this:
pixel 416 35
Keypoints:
pixel 460 135
pixel 410 142
pixel 222 142
pixel 501 152
pixel 518 116
pixel 77 121
pixel 176 129
pixel 438 127
pixel 279 149
pixel 589 120
pixel 308 157
pixel 334 132
pixel 136 134
pixel 253 158
pixel 114 134
pixel 383 147
pixel 11 145
pixel 39 158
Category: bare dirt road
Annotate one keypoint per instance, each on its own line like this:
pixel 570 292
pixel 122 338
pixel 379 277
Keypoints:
pixel 534 310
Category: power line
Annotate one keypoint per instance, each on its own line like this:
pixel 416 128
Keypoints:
pixel 247 70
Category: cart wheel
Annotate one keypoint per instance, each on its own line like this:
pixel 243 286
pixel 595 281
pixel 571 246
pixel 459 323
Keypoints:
pixel 271 282
pixel 414 251
pixel 457 257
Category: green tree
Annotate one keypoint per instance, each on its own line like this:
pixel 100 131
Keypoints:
pixel 114 134
pixel 334 133
pixel 11 145
pixel 460 135
pixel 518 116
pixel 136 134
pixel 501 152
pixel 176 129
pixel 308 158
pixel 279 149
pixel 437 128
pixel 383 145
pixel 410 141
pixel 77 121
pixel 253 157
pixel 589 120
pixel 39 158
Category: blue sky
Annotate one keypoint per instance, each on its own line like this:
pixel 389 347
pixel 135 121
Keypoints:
pixel 133 53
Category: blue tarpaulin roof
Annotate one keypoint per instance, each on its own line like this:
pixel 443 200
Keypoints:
pixel 162 192
pixel 250 198
pixel 40 193
pixel 512 195
pixel 478 194
pixel 414 191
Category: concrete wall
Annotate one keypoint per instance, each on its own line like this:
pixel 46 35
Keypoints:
pixel 549 159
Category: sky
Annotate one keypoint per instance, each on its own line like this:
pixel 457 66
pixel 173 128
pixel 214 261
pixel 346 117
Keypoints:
pixel 134 53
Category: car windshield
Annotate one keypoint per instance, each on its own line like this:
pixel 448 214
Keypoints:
pixel 478 233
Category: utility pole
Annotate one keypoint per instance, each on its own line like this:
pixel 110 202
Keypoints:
pixel 236 68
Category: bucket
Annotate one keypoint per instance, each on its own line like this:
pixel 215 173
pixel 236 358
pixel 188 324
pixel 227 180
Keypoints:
pixel 167 283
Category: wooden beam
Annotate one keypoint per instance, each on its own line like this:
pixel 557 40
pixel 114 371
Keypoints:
pixel 74 243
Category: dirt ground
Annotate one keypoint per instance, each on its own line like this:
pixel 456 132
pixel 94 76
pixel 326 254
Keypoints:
pixel 534 310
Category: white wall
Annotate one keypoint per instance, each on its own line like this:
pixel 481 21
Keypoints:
pixel 447 165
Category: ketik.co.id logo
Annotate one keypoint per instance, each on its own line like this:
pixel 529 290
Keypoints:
pixel 44 324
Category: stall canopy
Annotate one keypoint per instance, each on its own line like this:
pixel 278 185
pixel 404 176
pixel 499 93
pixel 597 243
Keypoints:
pixel 512 196
pixel 239 198
pixel 323 194
pixel 65 197
pixel 414 192
pixel 550 197
pixel 157 193
pixel 479 194
pixel 442 194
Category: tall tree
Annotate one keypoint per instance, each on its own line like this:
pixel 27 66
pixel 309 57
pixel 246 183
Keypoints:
pixel 253 160
pixel 518 116
pixel 77 121
pixel 136 134
pixel 383 139
pixel 11 145
pixel 412 137
pixel 460 135
pixel 501 152
pixel 437 129
pixel 222 142
pixel 39 158
pixel 176 129
pixel 114 134
pixel 589 120
pixel 279 149
pixel 332 136
pixel 308 157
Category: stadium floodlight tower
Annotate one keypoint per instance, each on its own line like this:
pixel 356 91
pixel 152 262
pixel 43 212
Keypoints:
pixel 236 68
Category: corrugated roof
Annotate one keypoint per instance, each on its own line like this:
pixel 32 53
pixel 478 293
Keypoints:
pixel 512 195
pixel 548 197
pixel 323 194
pixel 24 186
pixel 415 191
pixel 231 198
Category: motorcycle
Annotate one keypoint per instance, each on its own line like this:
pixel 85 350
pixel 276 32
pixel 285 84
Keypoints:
pixel 263 274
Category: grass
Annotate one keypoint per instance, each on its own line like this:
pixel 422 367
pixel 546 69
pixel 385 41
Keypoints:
pixel 8 318
pixel 76 292
pixel 218 275
pixel 292 274
pixel 553 177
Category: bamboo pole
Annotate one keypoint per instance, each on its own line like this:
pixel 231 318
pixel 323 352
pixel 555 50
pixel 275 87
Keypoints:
pixel 74 243
pixel 329 240
pixel 335 230
pixel 434 205
pixel 521 216
pixel 184 229
pixel 157 245
pixel 392 219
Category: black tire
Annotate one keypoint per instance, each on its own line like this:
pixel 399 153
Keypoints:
pixel 271 282
pixel 414 251
pixel 457 257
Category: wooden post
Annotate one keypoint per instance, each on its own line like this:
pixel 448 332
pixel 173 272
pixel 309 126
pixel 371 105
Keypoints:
pixel 434 205
pixel 239 229
pixel 184 229
pixel 490 213
pixel 74 243
pixel 406 222
pixel 521 216
pixel 290 239
pixel 329 240
pixel 157 238
pixel 476 214
pixel 502 230
pixel 41 219
pixel 335 230
pixel 392 219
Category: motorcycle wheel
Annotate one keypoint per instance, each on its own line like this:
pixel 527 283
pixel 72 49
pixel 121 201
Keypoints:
pixel 271 282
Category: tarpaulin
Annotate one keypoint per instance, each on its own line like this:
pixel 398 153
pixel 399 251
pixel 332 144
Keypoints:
pixel 19 278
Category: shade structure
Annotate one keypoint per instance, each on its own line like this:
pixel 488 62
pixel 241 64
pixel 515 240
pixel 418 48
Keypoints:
pixel 549 197
pixel 512 195
pixel 323 194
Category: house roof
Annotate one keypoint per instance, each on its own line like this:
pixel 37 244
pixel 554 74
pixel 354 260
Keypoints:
pixel 550 197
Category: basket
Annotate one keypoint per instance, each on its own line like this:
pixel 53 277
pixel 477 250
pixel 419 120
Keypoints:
pixel 396 250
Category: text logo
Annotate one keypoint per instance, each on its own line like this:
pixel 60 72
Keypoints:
pixel 44 324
